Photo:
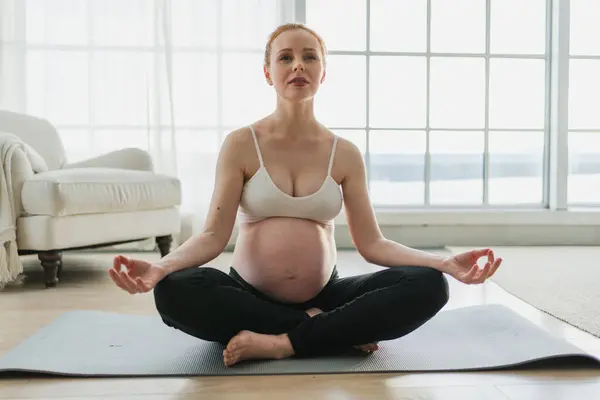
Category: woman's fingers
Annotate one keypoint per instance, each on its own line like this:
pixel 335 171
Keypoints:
pixel 491 256
pixel 120 279
pixel 127 262
pixel 116 278
pixel 479 253
pixel 117 275
pixel 123 279
pixel 483 275
pixel 142 285
pixel 495 266
pixel 129 282
pixel 136 285
pixel 476 274
pixel 487 271
pixel 117 264
pixel 471 274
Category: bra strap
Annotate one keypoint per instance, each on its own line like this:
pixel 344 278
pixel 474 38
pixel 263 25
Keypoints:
pixel 335 139
pixel 256 145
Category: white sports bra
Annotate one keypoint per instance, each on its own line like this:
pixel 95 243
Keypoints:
pixel 261 198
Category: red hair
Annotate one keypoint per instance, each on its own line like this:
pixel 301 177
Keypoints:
pixel 287 27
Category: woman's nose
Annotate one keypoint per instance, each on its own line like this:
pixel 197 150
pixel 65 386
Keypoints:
pixel 299 66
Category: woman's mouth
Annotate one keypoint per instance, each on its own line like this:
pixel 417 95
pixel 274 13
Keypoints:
pixel 298 81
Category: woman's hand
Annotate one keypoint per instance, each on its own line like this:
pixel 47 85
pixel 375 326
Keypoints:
pixel 463 267
pixel 139 276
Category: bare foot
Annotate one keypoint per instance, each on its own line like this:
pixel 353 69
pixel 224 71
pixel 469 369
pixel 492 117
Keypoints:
pixel 367 348
pixel 248 345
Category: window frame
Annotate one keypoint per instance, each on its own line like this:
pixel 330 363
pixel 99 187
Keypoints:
pixel 556 122
pixel 553 181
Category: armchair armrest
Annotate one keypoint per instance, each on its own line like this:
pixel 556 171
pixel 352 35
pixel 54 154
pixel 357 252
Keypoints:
pixel 130 158
pixel 18 163
pixel 9 141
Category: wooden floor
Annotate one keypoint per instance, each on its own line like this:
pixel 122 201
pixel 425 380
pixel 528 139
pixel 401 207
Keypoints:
pixel 85 285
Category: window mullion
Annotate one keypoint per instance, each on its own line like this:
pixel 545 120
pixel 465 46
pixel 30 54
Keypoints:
pixel 557 144
pixel 368 96
pixel 486 129
pixel 286 11
pixel 299 11
pixel 219 72
pixel 21 46
pixel 91 129
pixel 427 171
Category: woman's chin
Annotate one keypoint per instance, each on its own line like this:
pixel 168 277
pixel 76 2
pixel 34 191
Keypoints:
pixel 297 97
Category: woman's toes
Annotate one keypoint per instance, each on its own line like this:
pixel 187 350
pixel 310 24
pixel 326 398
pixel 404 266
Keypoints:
pixel 233 344
pixel 227 359
pixel 368 348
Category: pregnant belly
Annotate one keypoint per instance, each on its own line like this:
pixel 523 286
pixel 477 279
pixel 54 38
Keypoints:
pixel 288 259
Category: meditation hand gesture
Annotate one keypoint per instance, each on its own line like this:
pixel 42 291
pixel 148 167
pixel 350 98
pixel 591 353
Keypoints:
pixel 464 268
pixel 139 276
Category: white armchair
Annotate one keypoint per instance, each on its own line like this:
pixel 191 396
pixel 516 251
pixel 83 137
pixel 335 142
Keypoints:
pixel 111 199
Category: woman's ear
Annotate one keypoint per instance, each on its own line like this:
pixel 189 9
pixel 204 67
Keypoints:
pixel 323 77
pixel 267 75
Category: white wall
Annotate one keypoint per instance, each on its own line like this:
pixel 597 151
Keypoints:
pixel 427 229
pixel 481 228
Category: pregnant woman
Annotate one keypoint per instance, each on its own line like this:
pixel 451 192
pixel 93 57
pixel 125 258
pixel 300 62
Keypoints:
pixel 285 177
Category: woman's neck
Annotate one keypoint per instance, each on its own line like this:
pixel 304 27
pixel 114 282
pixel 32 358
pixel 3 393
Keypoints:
pixel 295 119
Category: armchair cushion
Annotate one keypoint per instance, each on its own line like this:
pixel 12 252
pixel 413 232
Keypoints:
pixel 76 191
pixel 128 158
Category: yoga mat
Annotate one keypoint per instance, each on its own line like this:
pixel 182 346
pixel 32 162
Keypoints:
pixel 97 343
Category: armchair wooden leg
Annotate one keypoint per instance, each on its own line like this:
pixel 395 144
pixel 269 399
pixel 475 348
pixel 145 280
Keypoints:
pixel 164 244
pixel 51 262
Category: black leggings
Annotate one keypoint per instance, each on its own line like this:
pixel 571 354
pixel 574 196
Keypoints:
pixel 211 305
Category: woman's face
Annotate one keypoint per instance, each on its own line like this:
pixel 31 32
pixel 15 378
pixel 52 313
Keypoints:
pixel 296 68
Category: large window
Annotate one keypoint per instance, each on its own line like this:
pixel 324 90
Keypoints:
pixel 450 101
pixel 111 74
pixel 447 98
pixel 584 103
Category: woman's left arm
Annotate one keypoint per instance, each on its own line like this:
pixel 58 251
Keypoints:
pixel 364 229
pixel 376 249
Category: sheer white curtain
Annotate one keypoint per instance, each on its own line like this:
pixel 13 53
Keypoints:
pixel 169 76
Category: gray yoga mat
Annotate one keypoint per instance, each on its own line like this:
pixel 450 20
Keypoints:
pixel 96 343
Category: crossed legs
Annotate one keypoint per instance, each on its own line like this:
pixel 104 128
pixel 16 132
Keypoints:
pixel 211 305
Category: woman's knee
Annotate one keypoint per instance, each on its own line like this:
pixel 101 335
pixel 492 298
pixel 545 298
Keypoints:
pixel 434 287
pixel 184 300
pixel 176 288
pixel 431 285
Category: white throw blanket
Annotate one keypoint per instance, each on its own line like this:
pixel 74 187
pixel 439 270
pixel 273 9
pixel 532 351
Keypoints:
pixel 10 264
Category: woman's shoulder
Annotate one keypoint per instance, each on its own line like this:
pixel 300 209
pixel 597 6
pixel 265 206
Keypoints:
pixel 240 142
pixel 344 147
pixel 237 138
pixel 348 158
pixel 243 134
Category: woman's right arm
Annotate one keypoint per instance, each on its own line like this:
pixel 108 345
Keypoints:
pixel 229 180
